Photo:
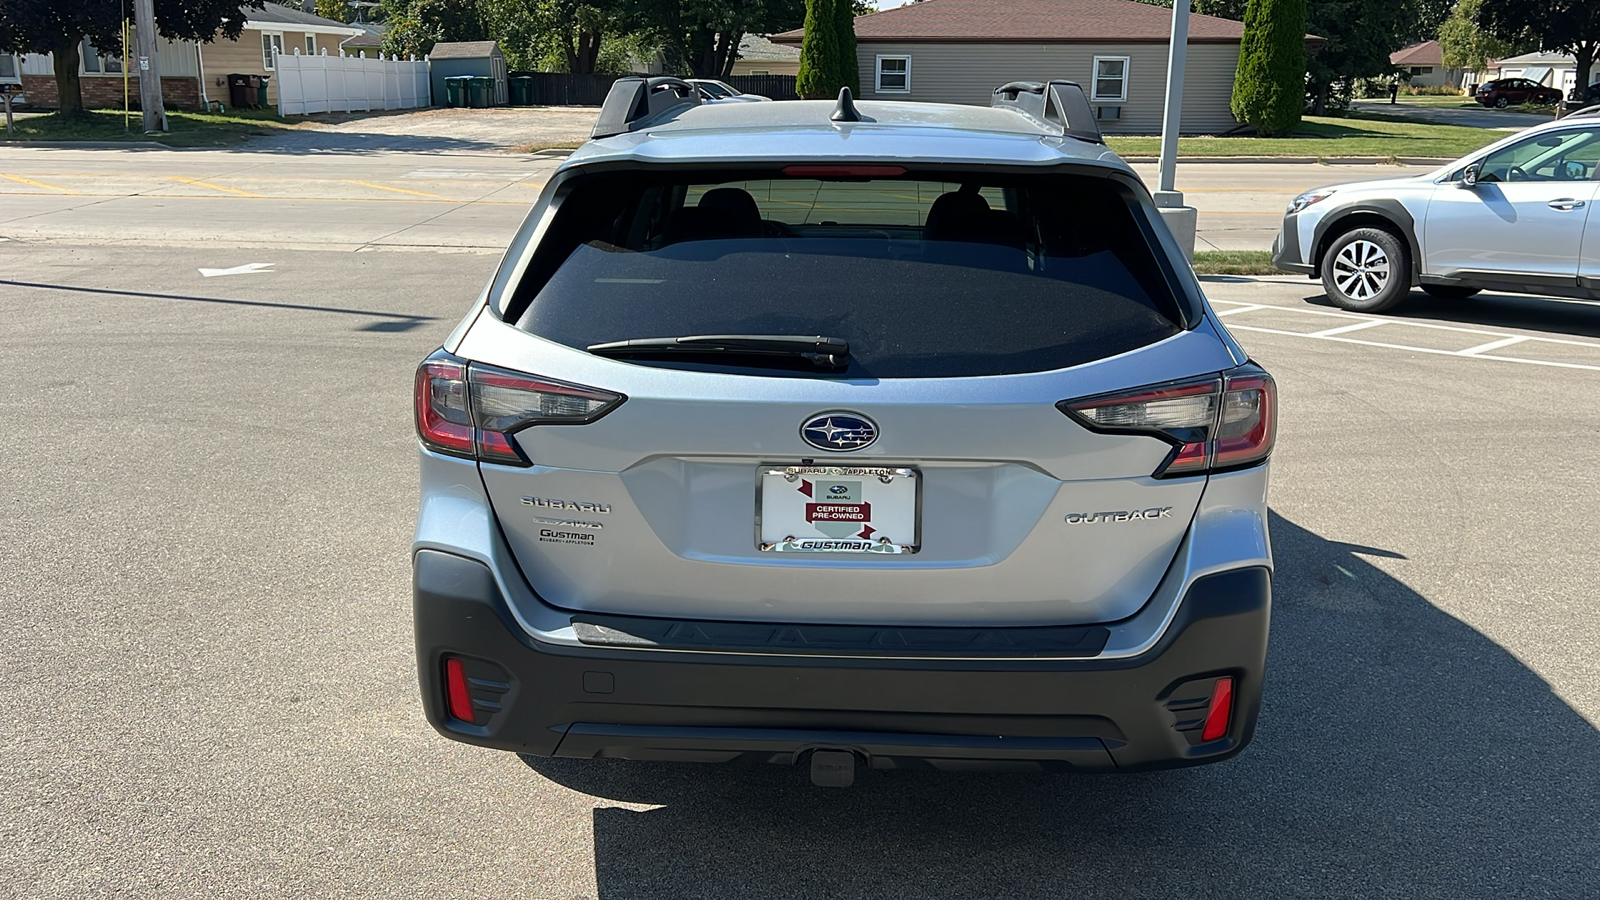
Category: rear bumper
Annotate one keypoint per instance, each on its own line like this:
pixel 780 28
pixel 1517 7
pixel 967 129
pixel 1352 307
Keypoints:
pixel 713 706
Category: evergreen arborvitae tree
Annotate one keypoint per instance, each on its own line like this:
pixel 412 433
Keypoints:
pixel 819 52
pixel 845 24
pixel 1269 89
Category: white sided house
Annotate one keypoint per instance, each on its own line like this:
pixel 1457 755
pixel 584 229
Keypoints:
pixel 959 51
pixel 1554 70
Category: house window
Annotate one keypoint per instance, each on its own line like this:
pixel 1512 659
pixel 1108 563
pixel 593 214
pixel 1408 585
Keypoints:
pixel 1110 78
pixel 759 72
pixel 1422 70
pixel 894 75
pixel 311 45
pixel 269 43
pixel 96 63
pixel 8 68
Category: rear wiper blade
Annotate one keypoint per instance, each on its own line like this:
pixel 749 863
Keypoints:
pixel 827 352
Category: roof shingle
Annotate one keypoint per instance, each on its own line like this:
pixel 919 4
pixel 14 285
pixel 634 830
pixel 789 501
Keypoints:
pixel 1427 53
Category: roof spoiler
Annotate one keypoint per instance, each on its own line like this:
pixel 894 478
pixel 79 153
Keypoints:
pixel 1586 111
pixel 1057 105
pixel 635 100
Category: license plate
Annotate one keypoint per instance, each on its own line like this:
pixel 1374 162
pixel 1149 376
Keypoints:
pixel 838 509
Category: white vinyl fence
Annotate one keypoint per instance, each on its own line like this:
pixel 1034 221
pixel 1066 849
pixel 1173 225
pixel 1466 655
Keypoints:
pixel 322 83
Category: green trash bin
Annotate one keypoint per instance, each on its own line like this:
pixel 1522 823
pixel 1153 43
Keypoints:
pixel 261 91
pixel 455 90
pixel 522 90
pixel 481 91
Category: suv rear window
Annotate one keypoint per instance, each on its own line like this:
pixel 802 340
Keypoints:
pixel 960 276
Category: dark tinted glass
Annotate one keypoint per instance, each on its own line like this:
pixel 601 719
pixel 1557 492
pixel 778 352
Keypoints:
pixel 922 278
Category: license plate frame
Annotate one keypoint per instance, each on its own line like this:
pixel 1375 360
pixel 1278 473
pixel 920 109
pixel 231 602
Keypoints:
pixel 806 520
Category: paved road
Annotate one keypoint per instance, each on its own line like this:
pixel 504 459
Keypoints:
pixel 209 491
pixel 286 198
pixel 1470 117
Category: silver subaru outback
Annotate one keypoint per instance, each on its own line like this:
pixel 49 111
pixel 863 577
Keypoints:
pixel 882 434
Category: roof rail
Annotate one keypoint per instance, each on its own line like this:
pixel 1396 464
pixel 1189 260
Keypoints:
pixel 636 100
pixel 1057 105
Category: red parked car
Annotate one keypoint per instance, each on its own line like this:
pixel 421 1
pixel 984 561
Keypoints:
pixel 1504 92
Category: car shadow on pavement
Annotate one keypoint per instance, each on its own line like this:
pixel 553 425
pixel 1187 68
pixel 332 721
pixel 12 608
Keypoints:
pixel 388 321
pixel 1557 316
pixel 1400 753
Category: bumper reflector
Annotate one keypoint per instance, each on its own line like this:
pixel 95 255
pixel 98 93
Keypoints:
pixel 1221 710
pixel 460 699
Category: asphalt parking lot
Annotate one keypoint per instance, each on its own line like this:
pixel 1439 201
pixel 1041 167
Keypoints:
pixel 210 490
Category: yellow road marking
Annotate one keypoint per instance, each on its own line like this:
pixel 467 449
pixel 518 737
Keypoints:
pixel 521 203
pixel 21 180
pixel 383 187
pixel 216 187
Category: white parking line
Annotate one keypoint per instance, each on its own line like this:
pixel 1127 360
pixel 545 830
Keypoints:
pixel 1343 329
pixel 1492 345
pixel 1245 308
pixel 1339 334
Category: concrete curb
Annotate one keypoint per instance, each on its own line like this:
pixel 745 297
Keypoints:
pixel 1430 161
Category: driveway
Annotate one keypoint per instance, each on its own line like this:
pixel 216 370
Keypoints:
pixel 495 130
pixel 1469 117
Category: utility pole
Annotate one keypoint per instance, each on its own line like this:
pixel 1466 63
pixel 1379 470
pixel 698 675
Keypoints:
pixel 1169 201
pixel 155 115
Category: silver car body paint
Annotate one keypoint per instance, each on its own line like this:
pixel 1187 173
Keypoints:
pixel 1499 230
pixel 1003 468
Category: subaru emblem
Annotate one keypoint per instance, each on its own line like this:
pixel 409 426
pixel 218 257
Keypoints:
pixel 839 431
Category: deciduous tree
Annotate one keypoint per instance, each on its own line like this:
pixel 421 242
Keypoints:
pixel 1562 26
pixel 1466 46
pixel 59 27
pixel 416 25
pixel 337 10
pixel 1360 36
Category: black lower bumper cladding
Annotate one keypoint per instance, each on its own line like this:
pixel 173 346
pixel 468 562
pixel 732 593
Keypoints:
pixel 999 705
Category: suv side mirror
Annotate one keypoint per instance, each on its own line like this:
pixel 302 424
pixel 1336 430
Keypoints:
pixel 1469 175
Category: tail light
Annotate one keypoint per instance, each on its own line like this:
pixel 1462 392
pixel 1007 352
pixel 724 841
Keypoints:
pixel 470 410
pixel 1215 424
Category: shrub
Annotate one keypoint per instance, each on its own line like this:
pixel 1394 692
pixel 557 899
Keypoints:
pixel 845 32
pixel 820 68
pixel 1270 87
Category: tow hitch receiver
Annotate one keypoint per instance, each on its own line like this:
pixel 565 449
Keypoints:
pixel 833 768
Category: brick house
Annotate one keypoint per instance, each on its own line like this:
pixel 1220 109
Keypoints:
pixel 191 73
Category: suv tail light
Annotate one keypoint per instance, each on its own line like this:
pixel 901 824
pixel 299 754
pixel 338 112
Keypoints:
pixel 1228 421
pixel 471 410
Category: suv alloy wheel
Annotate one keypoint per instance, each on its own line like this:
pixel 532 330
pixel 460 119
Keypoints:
pixel 1366 270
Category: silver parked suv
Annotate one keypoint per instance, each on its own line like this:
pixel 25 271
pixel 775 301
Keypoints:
pixel 800 432
pixel 1517 215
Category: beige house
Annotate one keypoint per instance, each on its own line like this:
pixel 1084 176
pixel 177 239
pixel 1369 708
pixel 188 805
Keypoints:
pixel 759 56
pixel 1422 65
pixel 959 51
pixel 194 74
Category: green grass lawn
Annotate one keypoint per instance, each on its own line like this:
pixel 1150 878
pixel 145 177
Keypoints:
pixel 187 128
pixel 1326 137
pixel 1235 262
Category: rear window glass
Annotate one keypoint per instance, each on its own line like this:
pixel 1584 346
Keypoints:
pixel 923 278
